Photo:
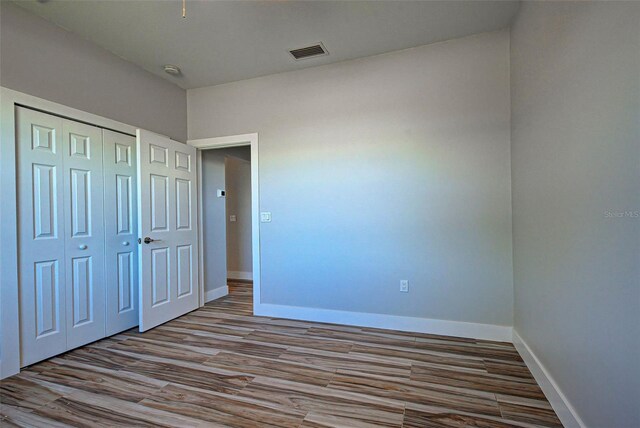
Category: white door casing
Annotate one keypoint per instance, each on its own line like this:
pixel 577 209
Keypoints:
pixel 167 207
pixel 84 229
pixel 41 234
pixel 121 231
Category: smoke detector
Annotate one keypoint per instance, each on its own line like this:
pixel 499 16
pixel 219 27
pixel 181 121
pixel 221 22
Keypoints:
pixel 173 70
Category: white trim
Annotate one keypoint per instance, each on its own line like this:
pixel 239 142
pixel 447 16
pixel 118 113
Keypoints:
pixel 9 300
pixel 216 293
pixel 201 293
pixel 236 141
pixel 9 315
pixel 563 408
pixel 244 276
pixel 393 322
pixel 223 142
pixel 10 96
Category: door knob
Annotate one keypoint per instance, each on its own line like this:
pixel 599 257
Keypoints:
pixel 82 247
pixel 148 240
pixel 125 243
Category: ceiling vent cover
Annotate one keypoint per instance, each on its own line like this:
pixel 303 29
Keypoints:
pixel 309 51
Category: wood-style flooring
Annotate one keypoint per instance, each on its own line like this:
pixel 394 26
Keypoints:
pixel 220 366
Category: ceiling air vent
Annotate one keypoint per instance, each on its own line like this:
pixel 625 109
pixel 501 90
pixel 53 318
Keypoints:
pixel 309 51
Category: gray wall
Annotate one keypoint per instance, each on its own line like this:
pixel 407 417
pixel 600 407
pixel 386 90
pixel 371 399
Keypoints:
pixel 238 181
pixel 213 220
pixel 41 59
pixel 575 76
pixel 214 214
pixel 380 169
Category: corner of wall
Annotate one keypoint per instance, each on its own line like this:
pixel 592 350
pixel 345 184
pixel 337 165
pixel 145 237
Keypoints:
pixel 560 403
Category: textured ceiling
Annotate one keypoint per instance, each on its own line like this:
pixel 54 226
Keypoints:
pixel 224 41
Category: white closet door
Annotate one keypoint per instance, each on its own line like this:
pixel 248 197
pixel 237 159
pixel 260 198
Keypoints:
pixel 41 232
pixel 167 225
pixel 121 231
pixel 84 227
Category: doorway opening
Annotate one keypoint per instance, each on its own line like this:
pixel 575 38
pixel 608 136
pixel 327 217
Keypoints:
pixel 228 218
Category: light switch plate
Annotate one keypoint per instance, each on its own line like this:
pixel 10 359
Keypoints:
pixel 265 217
pixel 232 218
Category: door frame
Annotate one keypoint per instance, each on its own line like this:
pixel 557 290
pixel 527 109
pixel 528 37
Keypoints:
pixel 221 143
pixel 9 288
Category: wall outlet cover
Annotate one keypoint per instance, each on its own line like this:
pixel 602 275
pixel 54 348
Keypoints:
pixel 404 285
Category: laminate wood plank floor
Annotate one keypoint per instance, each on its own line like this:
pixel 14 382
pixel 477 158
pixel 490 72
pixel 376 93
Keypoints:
pixel 220 366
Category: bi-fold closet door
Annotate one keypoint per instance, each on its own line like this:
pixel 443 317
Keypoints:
pixel 77 252
pixel 121 231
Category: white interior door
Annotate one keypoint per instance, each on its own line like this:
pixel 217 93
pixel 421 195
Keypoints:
pixel 84 227
pixel 167 228
pixel 41 232
pixel 121 231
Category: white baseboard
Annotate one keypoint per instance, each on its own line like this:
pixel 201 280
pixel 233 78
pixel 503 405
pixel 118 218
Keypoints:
pixel 246 276
pixel 216 293
pixel 563 408
pixel 392 322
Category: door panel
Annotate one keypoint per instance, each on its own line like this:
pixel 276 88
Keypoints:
pixel 47 283
pixel 185 284
pixel 183 204
pixel 79 146
pixel 160 276
pixel 80 202
pixel 121 250
pixel 41 251
pixel 123 204
pixel 183 161
pixel 158 155
pixel 44 201
pixel 159 203
pixel 82 290
pixel 84 244
pixel 125 283
pixel 168 262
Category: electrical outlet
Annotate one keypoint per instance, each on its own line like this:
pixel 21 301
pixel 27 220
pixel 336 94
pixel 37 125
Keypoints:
pixel 404 285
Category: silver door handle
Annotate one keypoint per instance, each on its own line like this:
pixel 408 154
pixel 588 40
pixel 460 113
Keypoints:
pixel 82 246
pixel 125 243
